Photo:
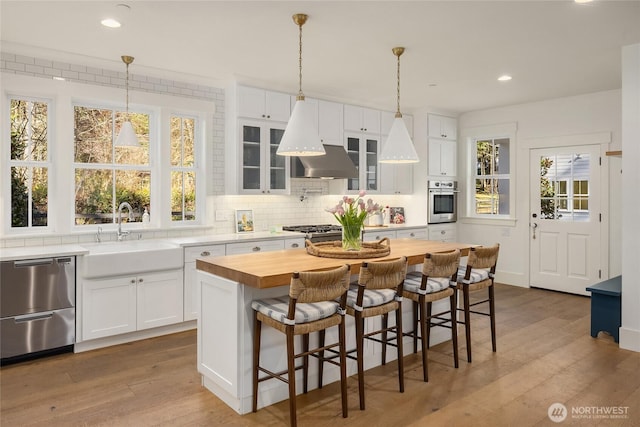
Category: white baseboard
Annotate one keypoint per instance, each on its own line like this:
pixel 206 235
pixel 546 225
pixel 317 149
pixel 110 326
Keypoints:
pixel 629 339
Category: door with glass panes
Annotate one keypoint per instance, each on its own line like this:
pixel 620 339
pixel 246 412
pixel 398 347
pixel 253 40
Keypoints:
pixel 262 170
pixel 565 218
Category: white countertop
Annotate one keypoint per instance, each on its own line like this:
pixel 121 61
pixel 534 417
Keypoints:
pixel 32 252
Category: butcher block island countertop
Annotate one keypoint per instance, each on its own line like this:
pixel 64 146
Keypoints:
pixel 269 269
pixel 226 287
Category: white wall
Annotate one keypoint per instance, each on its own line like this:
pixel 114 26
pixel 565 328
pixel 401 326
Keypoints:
pixel 536 122
pixel 630 330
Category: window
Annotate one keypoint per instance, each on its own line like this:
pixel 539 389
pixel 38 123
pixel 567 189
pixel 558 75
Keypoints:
pixel 29 163
pixel 183 172
pixel 106 175
pixel 492 180
pixel 564 187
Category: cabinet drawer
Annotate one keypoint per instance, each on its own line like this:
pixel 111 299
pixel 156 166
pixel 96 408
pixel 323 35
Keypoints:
pixel 192 253
pixel 250 247
pixel 412 234
pixel 294 243
pixel 375 235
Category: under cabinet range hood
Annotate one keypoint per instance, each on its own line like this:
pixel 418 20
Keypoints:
pixel 334 164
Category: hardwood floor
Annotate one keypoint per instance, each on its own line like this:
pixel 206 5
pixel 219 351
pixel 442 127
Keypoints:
pixel 545 355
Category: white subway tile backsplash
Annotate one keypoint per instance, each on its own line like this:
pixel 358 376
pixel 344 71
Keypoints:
pixel 25 59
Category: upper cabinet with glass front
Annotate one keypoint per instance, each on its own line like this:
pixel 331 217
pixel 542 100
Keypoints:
pixel 255 124
pixel 362 142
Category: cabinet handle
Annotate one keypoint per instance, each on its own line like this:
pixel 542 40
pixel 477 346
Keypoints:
pixel 141 280
pixel 263 115
pixel 412 235
pixel 294 245
pixel 205 253
pixel 133 280
pixel 442 232
pixel 268 116
pixel 256 249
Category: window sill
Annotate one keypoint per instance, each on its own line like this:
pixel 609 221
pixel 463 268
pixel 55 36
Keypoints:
pixel 503 222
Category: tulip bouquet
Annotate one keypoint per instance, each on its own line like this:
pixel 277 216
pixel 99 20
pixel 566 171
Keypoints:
pixel 351 213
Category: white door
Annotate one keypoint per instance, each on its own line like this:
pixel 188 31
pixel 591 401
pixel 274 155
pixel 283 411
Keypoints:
pixel 565 218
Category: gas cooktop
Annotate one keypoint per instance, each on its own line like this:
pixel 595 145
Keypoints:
pixel 312 229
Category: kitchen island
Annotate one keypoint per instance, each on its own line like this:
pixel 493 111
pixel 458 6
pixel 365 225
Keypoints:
pixel 226 287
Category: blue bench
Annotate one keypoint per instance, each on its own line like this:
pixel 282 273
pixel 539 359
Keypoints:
pixel 606 307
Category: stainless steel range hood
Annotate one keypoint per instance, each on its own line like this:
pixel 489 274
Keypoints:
pixel 334 164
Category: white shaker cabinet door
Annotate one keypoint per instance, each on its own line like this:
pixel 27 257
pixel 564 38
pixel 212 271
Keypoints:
pixel 159 299
pixel 108 307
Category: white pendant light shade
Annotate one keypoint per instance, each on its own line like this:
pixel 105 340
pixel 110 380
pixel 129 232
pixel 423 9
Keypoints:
pixel 399 148
pixel 127 136
pixel 301 137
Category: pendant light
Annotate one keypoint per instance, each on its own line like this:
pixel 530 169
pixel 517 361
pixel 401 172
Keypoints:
pixel 127 136
pixel 301 136
pixel 398 147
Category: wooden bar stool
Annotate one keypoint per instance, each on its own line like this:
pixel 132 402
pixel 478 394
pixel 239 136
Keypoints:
pixel 436 281
pixel 316 301
pixel 377 293
pixel 477 275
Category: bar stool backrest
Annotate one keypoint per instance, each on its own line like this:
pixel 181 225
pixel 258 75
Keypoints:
pixel 484 257
pixel 316 286
pixel 383 274
pixel 441 264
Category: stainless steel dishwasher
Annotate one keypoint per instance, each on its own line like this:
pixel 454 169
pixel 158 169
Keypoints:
pixel 37 307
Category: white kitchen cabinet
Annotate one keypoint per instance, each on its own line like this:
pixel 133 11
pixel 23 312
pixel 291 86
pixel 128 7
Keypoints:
pixel 330 122
pixel 364 149
pixel 191 302
pixel 413 233
pixel 256 246
pixel 361 119
pixel 443 232
pixel 129 303
pixel 375 234
pixel 441 157
pixel 262 104
pixel 262 171
pixel 108 307
pixel 295 243
pixel 442 127
pixel 159 299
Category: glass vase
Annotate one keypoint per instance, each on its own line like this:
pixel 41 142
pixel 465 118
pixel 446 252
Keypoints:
pixel 352 237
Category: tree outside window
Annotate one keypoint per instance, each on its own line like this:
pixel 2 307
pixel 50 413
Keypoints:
pixel 29 163
pixel 492 179
pixel 183 173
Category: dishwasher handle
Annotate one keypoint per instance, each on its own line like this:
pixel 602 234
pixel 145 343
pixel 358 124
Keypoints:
pixel 31 317
pixel 33 262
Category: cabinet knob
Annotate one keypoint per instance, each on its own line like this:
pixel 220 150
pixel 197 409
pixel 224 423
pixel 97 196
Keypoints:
pixel 205 253
pixel 133 280
pixel 412 235
pixel 294 245
pixel 256 249
pixel 442 232
pixel 263 115
pixel 140 280
pixel 268 116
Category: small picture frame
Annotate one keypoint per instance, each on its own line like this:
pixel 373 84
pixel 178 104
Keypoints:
pixel 244 220
pixel 397 215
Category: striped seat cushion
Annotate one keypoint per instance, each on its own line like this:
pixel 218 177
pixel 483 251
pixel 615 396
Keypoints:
pixel 434 284
pixel 277 309
pixel 477 274
pixel 371 297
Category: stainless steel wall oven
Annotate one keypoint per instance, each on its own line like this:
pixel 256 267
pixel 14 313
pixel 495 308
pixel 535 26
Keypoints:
pixel 442 202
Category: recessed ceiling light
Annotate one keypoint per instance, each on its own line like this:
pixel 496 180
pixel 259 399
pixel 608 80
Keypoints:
pixel 504 78
pixel 583 1
pixel 111 23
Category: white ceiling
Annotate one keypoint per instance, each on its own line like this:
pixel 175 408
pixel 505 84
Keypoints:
pixel 455 50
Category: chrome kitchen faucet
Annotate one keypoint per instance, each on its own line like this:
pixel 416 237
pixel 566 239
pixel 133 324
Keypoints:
pixel 123 234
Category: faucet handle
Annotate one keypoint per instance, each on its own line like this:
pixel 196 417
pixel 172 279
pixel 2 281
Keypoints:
pixel 99 235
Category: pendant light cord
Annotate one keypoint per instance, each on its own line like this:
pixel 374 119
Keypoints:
pixel 300 94
pixel 398 114
pixel 127 91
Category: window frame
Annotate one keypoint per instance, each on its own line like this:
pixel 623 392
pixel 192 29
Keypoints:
pixel 471 136
pixel 198 159
pixel 7 164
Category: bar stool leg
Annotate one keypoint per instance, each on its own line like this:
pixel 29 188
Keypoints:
pixel 385 325
pixel 429 324
pixel 305 363
pixel 291 364
pixel 399 339
pixel 342 337
pixel 454 327
pixel 257 327
pixel 415 326
pixel 359 321
pixel 320 357
pixel 467 319
pixel 423 334
pixel 492 315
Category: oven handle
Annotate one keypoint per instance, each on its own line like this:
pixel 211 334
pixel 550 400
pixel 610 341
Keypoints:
pixel 443 191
